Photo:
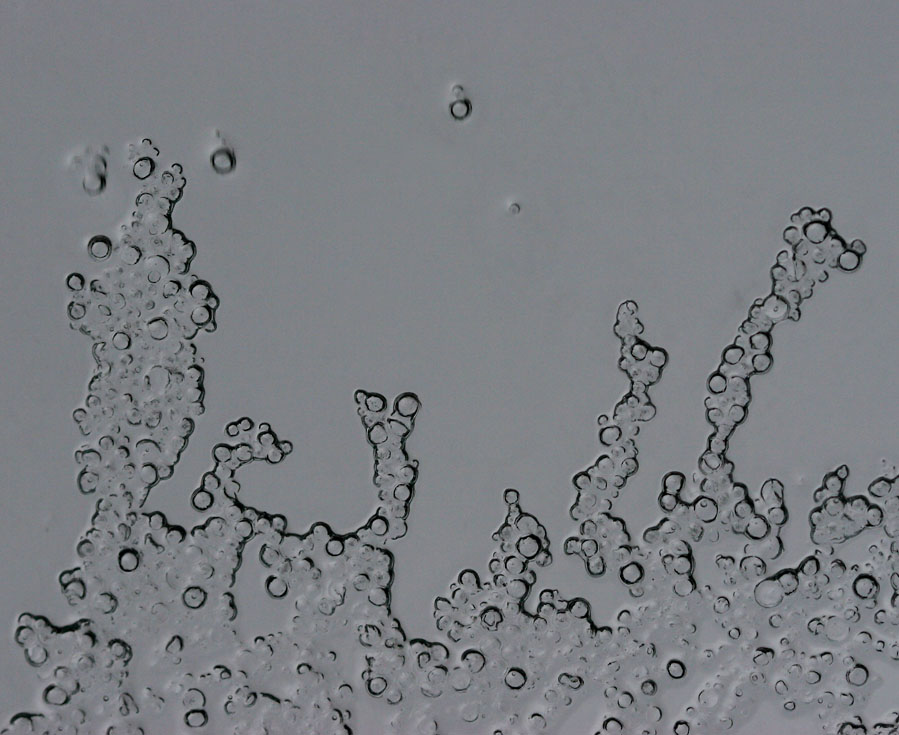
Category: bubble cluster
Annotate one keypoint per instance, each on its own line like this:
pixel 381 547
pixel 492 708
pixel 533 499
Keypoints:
pixel 154 640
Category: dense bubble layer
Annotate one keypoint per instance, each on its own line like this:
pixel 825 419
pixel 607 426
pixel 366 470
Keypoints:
pixel 152 644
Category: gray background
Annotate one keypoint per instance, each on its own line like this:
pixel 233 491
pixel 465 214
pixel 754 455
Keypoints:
pixel 364 240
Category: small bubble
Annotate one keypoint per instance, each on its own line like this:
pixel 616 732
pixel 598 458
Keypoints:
pixel 276 587
pixel 55 695
pixel 775 307
pixel 816 232
pixel 223 160
pixel 144 167
pixel 334 547
pixel 201 499
pixel 460 109
pixel 121 341
pixel 200 315
pixel 94 183
pixel 129 560
pixel 676 669
pixel 857 675
pixel 194 597
pixel 407 404
pixel 158 328
pixel 99 247
pixel 515 678
pixel 196 718
pixel 849 260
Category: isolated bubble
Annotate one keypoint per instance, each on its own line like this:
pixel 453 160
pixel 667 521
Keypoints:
pixel 194 597
pixel 676 668
pixel 99 247
pixel 460 108
pixel 223 159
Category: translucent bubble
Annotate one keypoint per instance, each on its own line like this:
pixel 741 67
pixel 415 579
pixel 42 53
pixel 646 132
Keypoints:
pixel 55 695
pixel 815 232
pixel 158 328
pixel 849 260
pixel 99 247
pixel 200 315
pixel 676 669
pixel 529 546
pixel 857 675
pixel 196 718
pixel 144 167
pixel 515 678
pixel 94 183
pixel 223 159
pixel 129 560
pixel 276 587
pixel 407 404
pixel 194 597
pixel 334 547
pixel 460 109
pixel 775 308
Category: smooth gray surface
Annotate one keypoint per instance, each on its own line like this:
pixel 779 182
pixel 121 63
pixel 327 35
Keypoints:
pixel 364 241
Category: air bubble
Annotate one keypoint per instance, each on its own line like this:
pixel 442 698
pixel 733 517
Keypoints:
pixel 129 560
pixel 194 597
pixel 196 718
pixel 158 328
pixel 816 232
pixel 676 669
pixel 99 247
pixel 849 260
pixel 276 587
pixel 515 678
pixel 144 167
pixel 223 160
pixel 460 108
pixel 857 675
pixel 775 308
